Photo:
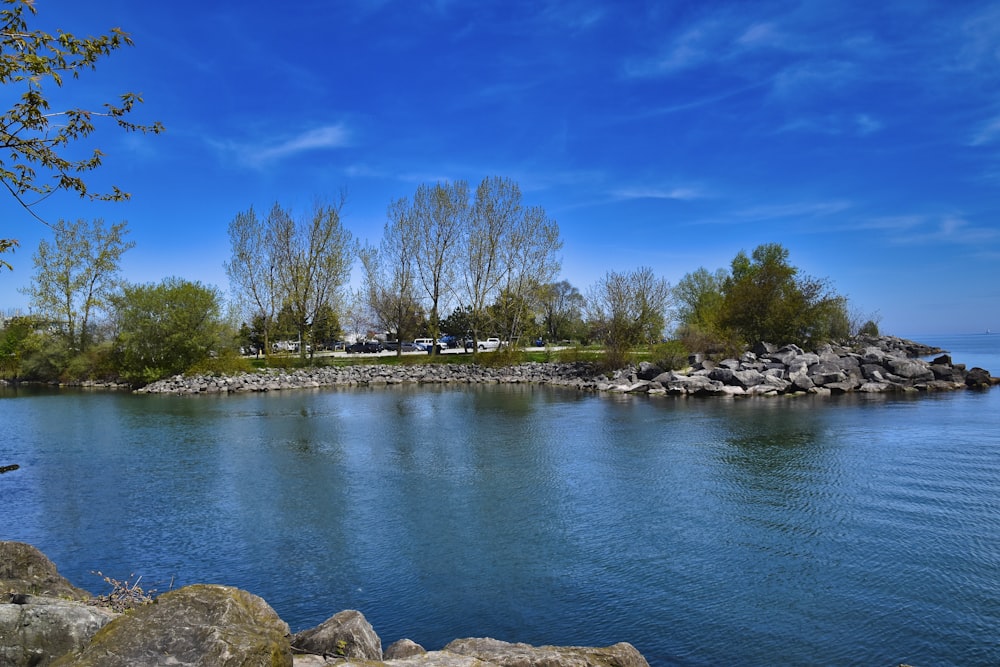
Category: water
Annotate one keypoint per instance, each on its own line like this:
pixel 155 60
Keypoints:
pixel 852 530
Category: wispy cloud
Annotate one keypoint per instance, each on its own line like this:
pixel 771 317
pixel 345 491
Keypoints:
pixel 792 210
pixel 987 134
pixel 859 124
pixel 952 229
pixel 679 194
pixel 320 138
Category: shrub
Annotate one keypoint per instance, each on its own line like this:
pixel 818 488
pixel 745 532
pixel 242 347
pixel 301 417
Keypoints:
pixel 670 356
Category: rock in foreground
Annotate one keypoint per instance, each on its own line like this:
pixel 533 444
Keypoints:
pixel 200 625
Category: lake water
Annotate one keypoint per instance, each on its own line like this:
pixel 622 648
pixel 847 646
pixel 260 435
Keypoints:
pixel 794 531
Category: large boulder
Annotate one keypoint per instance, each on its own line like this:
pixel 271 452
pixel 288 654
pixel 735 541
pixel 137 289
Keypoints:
pixel 34 630
pixel 506 654
pixel 201 625
pixel 24 570
pixel 347 634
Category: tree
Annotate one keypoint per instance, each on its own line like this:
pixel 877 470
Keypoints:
pixel 33 137
pixel 390 280
pixel 629 309
pixel 509 250
pixel 439 217
pixel 76 275
pixel 252 268
pixel 7 245
pixel 280 264
pixel 166 328
pixel 562 310
pixel 765 299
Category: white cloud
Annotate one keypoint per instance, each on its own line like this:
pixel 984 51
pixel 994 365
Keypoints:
pixel 680 194
pixel 329 136
pixel 256 154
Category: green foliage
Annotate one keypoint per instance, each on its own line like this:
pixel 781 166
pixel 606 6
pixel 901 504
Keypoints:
pixel 226 362
pixel 35 137
pixel 763 298
pixel 76 274
pixel 869 328
pixel 505 356
pixel 671 355
pixel 7 245
pixel 166 328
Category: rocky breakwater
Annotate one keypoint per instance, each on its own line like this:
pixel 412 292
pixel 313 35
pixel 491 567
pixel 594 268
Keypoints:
pixel 577 375
pixel 45 620
pixel 866 365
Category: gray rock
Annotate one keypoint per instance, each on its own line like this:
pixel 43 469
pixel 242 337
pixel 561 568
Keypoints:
pixel 911 369
pixel 403 648
pixel 347 634
pixel 506 654
pixel 37 629
pixel 200 625
pixel 26 570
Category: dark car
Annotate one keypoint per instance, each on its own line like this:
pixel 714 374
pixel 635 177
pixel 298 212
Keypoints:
pixel 371 346
pixel 405 345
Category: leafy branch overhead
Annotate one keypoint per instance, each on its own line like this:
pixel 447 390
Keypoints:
pixel 34 138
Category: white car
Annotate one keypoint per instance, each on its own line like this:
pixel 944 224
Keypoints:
pixel 491 344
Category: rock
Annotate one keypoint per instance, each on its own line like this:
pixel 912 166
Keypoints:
pixel 27 571
pixel 648 371
pixel 37 629
pixel 978 378
pixel 911 369
pixel 203 625
pixel 403 648
pixel 346 634
pixel 826 372
pixel 505 654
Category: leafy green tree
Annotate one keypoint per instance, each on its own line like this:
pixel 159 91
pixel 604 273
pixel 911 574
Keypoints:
pixel 325 330
pixel 459 322
pixel 14 337
pixel 39 155
pixel 76 274
pixel 313 259
pixel 166 328
pixel 562 308
pixel 766 299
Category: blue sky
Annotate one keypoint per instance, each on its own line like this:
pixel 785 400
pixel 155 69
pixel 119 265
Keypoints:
pixel 862 136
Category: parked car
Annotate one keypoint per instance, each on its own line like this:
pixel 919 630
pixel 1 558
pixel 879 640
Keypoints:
pixel 370 346
pixel 491 344
pixel 405 345
pixel 448 341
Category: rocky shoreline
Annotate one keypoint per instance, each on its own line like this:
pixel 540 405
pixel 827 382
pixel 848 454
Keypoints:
pixel 883 364
pixel 45 620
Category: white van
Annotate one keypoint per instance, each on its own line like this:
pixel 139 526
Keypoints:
pixel 423 343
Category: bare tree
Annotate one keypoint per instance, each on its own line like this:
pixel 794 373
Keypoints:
pixel 440 214
pixel 76 275
pixel 390 277
pixel 509 250
pixel 629 309
pixel 252 269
